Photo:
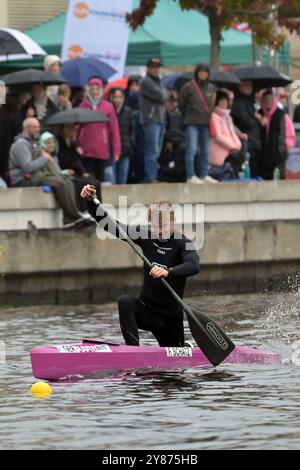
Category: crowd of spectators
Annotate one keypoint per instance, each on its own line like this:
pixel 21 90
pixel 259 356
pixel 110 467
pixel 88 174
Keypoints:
pixel 198 134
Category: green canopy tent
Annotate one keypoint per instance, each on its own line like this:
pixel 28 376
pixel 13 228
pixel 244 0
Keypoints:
pixel 177 37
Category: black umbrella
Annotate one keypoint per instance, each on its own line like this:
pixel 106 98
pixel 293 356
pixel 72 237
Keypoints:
pixel 262 76
pixel 224 79
pixel 76 116
pixel 31 76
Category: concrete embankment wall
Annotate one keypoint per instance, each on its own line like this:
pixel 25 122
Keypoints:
pixel 251 243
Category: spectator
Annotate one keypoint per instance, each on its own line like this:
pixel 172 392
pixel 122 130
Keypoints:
pixel 249 122
pixel 49 143
pixel 125 118
pixel 134 84
pixel 296 117
pixel 98 140
pixel 153 117
pixel 137 161
pixel 10 126
pixel 171 161
pixel 277 136
pixel 28 167
pixel 173 115
pixel 225 141
pixel 63 100
pixel 53 64
pixel 196 105
pixel 69 159
pixel 77 96
pixel 40 105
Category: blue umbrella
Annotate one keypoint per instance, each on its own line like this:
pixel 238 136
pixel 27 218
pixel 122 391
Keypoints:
pixel 176 80
pixel 79 71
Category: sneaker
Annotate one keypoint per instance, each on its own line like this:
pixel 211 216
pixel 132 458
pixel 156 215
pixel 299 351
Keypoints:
pixel 85 215
pixel 195 180
pixel 209 179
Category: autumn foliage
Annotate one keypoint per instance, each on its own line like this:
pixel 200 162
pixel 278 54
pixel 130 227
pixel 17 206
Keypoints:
pixel 263 18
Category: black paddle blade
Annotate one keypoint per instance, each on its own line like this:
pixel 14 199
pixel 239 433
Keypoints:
pixel 212 341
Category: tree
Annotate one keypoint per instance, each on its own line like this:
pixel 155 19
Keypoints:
pixel 264 18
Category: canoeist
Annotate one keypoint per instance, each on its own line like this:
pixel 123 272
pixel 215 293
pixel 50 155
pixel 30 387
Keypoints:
pixel 174 258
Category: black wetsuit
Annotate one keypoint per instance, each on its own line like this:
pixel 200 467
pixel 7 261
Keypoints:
pixel 156 310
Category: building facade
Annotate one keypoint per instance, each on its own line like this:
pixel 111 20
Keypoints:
pixel 25 14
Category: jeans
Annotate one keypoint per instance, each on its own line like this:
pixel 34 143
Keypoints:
pixel 195 135
pixel 154 135
pixel 121 170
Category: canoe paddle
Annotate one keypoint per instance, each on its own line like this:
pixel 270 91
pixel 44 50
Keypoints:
pixel 214 343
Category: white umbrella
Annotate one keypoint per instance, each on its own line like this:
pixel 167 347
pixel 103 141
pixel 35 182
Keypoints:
pixel 15 45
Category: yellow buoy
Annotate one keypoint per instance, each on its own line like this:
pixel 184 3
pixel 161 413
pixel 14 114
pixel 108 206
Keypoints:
pixel 40 390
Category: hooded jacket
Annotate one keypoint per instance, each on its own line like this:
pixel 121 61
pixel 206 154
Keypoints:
pixel 102 139
pixel 193 110
pixel 21 159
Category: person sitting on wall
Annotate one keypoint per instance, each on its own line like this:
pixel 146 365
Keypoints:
pixel 29 167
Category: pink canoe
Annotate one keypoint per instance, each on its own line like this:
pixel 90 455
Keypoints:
pixel 83 359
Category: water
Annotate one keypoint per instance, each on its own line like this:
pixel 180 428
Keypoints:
pixel 233 407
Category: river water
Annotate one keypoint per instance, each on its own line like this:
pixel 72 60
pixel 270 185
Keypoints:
pixel 232 407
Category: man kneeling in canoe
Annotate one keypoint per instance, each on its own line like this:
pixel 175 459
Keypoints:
pixel 173 258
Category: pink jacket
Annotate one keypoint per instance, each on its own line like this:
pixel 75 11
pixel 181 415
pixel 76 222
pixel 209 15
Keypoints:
pixel 226 138
pixel 290 133
pixel 100 140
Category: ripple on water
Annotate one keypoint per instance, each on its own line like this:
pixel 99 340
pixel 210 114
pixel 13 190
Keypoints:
pixel 246 406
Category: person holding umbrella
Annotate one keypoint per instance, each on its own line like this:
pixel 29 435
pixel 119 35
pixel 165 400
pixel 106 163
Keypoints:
pixel 37 81
pixel 99 141
pixel 69 152
pixel 40 105
pixel 250 122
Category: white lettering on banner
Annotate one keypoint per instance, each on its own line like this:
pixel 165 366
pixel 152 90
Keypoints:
pixel 69 348
pixel 179 352
pixel 99 28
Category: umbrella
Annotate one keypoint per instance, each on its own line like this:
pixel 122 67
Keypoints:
pixel 224 79
pixel 15 45
pixel 263 76
pixel 31 76
pixel 76 116
pixel 121 83
pixel 79 71
pixel 175 81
